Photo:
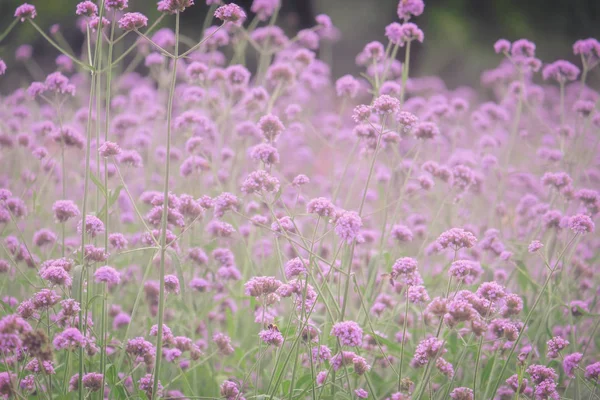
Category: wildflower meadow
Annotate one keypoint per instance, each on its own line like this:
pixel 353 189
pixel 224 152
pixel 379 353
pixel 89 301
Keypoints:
pixel 219 217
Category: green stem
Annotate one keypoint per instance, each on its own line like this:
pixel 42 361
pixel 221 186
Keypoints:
pixel 55 45
pixel 9 29
pixel 529 315
pixel 163 237
pixel 403 341
pixel 405 68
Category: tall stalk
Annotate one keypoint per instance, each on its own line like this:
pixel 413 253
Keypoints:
pixel 163 236
pixel 94 76
pixel 107 99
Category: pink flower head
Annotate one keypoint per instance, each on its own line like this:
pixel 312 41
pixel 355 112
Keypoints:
pixel 108 275
pixel 70 339
pixel 534 246
pixel 25 11
pixel 117 4
pixel 87 8
pixel 133 21
pixel 231 13
pixel 171 284
pixel 65 210
pixel 271 336
pixel 349 333
pixel 502 46
pixel 409 8
pixel 581 224
pixel 109 149
pixel 174 6
pixel 92 381
pixel 561 71
pixel 347 226
pixel 264 8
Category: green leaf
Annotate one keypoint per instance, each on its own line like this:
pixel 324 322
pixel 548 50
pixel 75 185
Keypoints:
pixel 390 345
pixel 286 386
pixel 77 286
pixel 114 195
pixel 111 374
pixel 278 195
pixel 98 184
pixel 452 343
pixel 523 276
pixel 487 370
pixel 306 379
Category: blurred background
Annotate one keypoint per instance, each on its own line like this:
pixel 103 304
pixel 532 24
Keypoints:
pixel 459 34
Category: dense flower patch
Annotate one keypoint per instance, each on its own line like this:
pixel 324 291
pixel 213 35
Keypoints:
pixel 174 225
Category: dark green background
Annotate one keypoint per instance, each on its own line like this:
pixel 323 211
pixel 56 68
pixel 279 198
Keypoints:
pixel 459 34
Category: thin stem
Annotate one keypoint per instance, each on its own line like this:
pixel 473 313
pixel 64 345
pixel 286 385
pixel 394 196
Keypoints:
pixel 9 29
pixel 55 45
pixel 163 237
pixel 405 68
pixel 529 315
pixel 403 341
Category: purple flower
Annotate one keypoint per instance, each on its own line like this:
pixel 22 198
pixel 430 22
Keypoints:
pixel 231 13
pixel 456 238
pixel 534 246
pixel 561 71
pixel 70 339
pixel 230 390
pixel 117 4
pixel 87 8
pixel 261 286
pixel 56 276
pixel 45 298
pixel 146 384
pixel 109 149
pixel 171 284
pixel 349 333
pixel 107 275
pixel 93 225
pixel 92 381
pixel 462 393
pixel 426 350
pixel 592 371
pixel 581 224
pixel 271 127
pixel 320 206
pixel 223 343
pixel 347 226
pixel 173 6
pixel 133 21
pixel 502 46
pixel 264 8
pixel 408 8
pixel 347 86
pixel 271 336
pixel 385 105
pixel 555 345
pixel 417 294
pixel 571 362
pixel 25 11
pixel 426 130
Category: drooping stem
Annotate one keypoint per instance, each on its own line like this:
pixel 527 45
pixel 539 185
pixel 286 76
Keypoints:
pixel 163 236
